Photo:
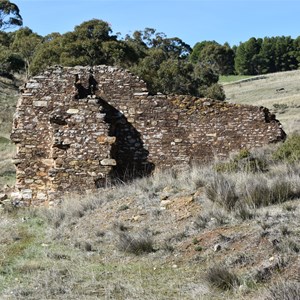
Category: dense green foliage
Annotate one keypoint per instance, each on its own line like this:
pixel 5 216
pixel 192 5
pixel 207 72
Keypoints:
pixel 219 58
pixel 261 56
pixel 167 65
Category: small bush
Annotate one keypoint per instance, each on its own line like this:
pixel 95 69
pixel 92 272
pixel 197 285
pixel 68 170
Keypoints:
pixel 139 244
pixel 280 107
pixel 284 291
pixel 244 161
pixel 293 246
pixel 257 192
pixel 215 91
pixel 244 213
pixel 289 208
pixel 221 278
pixel 290 150
pixel 222 191
pixel 198 248
pixel 202 221
pixel 281 191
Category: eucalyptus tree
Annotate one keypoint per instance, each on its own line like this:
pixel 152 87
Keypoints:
pixel 9 15
pixel 25 43
pixel 218 57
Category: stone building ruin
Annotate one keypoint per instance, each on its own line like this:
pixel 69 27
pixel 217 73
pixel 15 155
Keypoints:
pixel 82 128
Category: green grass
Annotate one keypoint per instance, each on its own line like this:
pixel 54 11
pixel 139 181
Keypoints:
pixel 232 78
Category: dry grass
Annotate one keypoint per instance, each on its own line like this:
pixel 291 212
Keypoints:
pixel 284 291
pixel 8 99
pixel 95 246
pixel 262 92
pixel 221 278
pixel 7 169
pixel 85 249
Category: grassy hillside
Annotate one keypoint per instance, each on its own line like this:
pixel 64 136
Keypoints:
pixel 229 230
pixel 225 231
pixel 8 100
pixel 280 92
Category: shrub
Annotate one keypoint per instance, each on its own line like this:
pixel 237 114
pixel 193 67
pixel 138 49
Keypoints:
pixel 244 213
pixel 215 91
pixel 280 107
pixel 284 291
pixel 256 192
pixel 281 191
pixel 139 244
pixel 202 221
pixel 290 150
pixel 221 278
pixel 244 161
pixel 222 191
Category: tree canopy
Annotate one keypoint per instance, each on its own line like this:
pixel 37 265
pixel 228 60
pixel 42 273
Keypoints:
pixel 167 65
pixel 9 15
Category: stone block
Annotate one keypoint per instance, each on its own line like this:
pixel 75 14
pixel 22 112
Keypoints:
pixel 40 103
pixel 108 162
pixel 103 139
pixel 27 194
pixel 72 111
pixel 32 85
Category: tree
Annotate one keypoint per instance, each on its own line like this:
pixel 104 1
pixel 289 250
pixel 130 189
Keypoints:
pixel 176 76
pixel 196 52
pixel 267 56
pixel 83 46
pixel 25 44
pixel 147 68
pixel 118 53
pixel 285 58
pixel 247 59
pixel 9 15
pixel 207 83
pixel 47 53
pixel 219 58
pixel 9 61
pixel 166 67
pixel 297 50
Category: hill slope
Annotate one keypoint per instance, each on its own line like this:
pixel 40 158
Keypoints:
pixel 225 231
pixel 8 99
pixel 193 234
pixel 280 92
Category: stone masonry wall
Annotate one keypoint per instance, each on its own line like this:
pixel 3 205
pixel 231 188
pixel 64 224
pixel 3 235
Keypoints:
pixel 81 128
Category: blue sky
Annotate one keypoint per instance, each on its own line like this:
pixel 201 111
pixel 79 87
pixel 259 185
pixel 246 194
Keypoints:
pixel 232 21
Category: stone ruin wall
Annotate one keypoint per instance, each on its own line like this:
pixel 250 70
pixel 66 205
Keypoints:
pixel 78 129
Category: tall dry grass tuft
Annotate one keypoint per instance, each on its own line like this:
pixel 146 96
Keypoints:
pixel 138 243
pixel 221 278
pixel 221 190
pixel 284 291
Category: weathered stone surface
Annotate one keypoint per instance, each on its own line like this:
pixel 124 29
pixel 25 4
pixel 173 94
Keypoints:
pixel 73 135
pixel 40 103
pixel 108 162
pixel 72 111
pixel 32 85
pixel 102 139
